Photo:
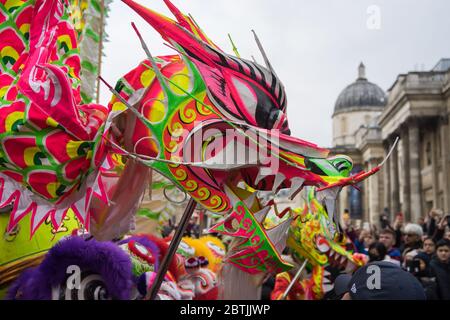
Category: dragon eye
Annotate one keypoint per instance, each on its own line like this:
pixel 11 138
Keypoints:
pixel 343 164
pixel 203 261
pixel 246 95
pixel 191 263
pixel 256 102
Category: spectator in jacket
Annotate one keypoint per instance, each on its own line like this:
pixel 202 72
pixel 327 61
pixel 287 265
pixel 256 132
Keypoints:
pixel 387 237
pixel 440 268
pixel 425 276
pixel 412 242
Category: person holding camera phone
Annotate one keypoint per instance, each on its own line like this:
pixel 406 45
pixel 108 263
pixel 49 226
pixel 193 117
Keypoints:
pixel 420 268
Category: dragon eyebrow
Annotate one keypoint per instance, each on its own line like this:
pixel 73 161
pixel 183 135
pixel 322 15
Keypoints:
pixel 158 73
pixel 263 52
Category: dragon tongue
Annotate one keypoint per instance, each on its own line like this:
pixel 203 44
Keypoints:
pixel 231 195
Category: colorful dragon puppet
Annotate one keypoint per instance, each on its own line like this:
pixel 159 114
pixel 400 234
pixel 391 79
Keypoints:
pixel 313 236
pixel 205 119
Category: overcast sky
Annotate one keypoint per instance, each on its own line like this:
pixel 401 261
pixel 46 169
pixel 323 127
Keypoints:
pixel 314 46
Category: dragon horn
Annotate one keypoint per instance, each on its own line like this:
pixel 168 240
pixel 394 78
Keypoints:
pixel 173 31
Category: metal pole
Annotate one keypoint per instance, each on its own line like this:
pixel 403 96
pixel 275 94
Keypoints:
pixel 297 275
pixel 100 47
pixel 151 294
pixel 150 183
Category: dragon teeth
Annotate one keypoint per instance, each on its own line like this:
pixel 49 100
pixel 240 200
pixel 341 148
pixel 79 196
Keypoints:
pixel 296 186
pixel 260 176
pixel 279 178
pixel 331 193
pixel 261 215
pixel 329 203
pixel 327 287
pixel 231 195
pixel 250 200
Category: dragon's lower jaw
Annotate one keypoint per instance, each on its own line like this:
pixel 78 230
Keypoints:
pixel 259 190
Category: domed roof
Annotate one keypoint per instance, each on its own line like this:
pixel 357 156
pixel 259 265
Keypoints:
pixel 360 93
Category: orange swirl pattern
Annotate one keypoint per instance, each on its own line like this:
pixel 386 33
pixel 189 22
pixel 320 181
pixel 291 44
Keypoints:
pixel 180 124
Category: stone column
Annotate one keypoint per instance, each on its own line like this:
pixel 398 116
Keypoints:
pixel 434 168
pixel 367 191
pixel 374 201
pixel 406 206
pixel 415 175
pixel 386 179
pixel 394 183
pixel 343 200
pixel 445 158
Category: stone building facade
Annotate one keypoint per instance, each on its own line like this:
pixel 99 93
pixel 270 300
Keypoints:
pixel 418 174
pixel 416 177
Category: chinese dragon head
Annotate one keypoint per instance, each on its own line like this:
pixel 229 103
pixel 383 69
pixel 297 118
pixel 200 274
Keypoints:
pixel 213 123
pixel 313 236
pixel 216 124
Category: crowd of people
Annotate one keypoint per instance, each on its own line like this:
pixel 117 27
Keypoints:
pixel 423 249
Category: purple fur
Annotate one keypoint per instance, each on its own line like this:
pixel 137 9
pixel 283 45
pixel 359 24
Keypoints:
pixel 24 280
pixel 149 244
pixel 103 258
